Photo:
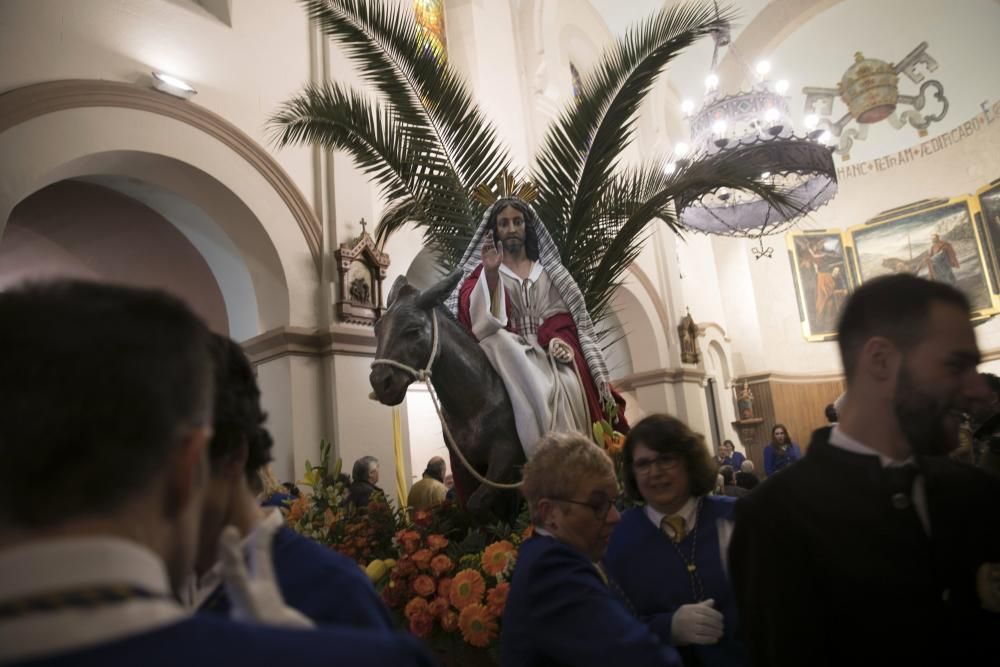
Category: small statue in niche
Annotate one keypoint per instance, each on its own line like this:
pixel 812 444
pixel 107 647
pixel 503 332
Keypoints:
pixel 360 291
pixel 689 332
pixel 744 401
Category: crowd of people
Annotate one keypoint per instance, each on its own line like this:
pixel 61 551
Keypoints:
pixel 147 542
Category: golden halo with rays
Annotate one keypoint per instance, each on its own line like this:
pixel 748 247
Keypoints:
pixel 504 187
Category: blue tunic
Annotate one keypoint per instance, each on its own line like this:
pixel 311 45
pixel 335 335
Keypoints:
pixel 774 461
pixel 561 612
pixel 327 587
pixel 206 640
pixel 735 461
pixel 651 573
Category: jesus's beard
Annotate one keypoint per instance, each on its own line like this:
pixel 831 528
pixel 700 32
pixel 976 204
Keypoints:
pixel 513 245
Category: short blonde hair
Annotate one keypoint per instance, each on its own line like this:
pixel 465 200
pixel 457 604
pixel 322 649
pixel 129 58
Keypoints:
pixel 560 461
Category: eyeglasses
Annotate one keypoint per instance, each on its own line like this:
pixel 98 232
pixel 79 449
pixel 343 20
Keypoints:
pixel 601 508
pixel 663 461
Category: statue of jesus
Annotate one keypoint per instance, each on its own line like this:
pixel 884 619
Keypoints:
pixel 529 316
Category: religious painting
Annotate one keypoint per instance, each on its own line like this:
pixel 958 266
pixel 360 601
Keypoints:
pixel 989 205
pixel 938 240
pixel 821 273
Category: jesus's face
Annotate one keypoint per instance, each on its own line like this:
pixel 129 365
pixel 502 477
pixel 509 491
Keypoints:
pixel 510 230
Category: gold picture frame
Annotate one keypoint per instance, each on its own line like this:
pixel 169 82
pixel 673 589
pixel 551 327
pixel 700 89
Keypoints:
pixel 822 272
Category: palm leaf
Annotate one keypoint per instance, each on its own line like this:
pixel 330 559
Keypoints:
pixel 582 149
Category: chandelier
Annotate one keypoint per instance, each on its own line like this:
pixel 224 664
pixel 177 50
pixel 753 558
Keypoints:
pixel 758 122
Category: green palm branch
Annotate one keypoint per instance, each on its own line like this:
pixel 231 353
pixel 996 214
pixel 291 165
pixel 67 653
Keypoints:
pixel 427 145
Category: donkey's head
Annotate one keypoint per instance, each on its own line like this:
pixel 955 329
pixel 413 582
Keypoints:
pixel 404 335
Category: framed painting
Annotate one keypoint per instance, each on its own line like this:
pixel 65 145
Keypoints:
pixel 941 240
pixel 822 276
pixel 989 205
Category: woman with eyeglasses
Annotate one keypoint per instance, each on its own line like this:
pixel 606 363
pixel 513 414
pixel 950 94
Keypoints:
pixel 669 555
pixel 562 609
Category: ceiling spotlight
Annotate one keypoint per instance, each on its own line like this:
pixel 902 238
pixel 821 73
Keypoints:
pixel 681 149
pixel 171 85
pixel 712 81
pixel 670 168
pixel 825 137
pixel 687 106
pixel 771 114
pixel 811 121
pixel 764 68
pixel 719 126
pixel 781 87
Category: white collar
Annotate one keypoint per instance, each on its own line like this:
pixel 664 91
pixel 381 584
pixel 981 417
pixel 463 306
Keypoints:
pixel 688 512
pixel 63 564
pixel 841 440
pixel 197 589
pixel 533 275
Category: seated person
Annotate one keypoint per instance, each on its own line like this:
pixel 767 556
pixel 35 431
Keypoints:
pixel 115 420
pixel 729 486
pixel 746 478
pixel 669 556
pixel 430 491
pixel 562 609
pixel 325 586
pixel 364 477
pixel 728 456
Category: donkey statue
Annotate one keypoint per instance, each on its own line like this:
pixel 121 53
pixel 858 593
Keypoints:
pixel 418 334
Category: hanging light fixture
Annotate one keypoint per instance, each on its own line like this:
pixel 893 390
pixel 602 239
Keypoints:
pixel 758 120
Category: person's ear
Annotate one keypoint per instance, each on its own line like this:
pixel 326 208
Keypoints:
pixel 187 469
pixel 546 510
pixel 880 359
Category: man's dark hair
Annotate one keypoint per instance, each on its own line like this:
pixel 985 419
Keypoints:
pixel 530 236
pixel 97 383
pixel 362 467
pixel 831 413
pixel 894 307
pixel 992 381
pixel 668 435
pixel 436 468
pixel 238 415
pixel 728 475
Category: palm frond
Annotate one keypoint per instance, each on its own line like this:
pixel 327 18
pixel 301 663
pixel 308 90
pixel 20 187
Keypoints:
pixel 582 149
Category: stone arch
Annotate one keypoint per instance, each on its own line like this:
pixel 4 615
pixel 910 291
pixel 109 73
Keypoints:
pixel 115 129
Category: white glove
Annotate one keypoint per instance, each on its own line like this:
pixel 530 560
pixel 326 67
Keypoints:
pixel 253 592
pixel 696 624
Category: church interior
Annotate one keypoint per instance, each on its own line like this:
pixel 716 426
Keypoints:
pixel 106 177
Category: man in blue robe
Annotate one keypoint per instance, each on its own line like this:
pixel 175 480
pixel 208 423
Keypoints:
pixel 103 435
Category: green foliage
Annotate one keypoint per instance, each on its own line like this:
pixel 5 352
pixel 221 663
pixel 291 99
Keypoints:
pixel 425 142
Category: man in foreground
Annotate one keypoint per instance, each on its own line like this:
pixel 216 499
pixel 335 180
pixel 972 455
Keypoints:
pixel 106 415
pixel 868 550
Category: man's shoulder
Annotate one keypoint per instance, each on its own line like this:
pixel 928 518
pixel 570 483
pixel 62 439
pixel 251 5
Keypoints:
pixel 206 639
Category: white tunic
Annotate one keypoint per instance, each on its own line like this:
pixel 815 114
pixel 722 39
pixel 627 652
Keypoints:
pixel 546 395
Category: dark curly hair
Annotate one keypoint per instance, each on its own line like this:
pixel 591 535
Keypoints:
pixel 668 435
pixel 530 237
pixel 238 415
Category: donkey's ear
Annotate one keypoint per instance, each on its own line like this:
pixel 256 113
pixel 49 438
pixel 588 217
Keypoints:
pixel 437 294
pixel 399 287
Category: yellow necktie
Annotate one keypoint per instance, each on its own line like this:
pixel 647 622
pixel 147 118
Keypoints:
pixel 677 524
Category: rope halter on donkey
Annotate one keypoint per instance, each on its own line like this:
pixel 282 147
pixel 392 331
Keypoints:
pixel 424 375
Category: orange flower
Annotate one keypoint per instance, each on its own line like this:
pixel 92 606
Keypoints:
pixel 496 598
pixel 437 542
pixel 478 625
pixel 614 443
pixel 424 585
pixel 422 558
pixel 405 567
pixel 444 587
pixel 498 557
pixel 414 607
pixel 422 624
pixel 466 588
pixel 449 621
pixel 528 532
pixel 441 564
pixel 298 508
pixel 437 607
pixel 409 540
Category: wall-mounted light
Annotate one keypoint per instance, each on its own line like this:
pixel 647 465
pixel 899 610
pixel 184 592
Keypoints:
pixel 171 85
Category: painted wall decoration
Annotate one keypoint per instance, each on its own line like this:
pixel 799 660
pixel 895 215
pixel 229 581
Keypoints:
pixel 938 240
pixel 429 15
pixel 821 271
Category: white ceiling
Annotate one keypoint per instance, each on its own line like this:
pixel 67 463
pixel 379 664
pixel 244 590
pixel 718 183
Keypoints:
pixel 962 37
